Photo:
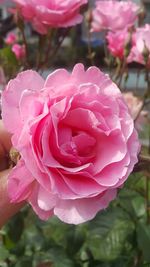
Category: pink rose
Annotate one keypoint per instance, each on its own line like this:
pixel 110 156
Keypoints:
pixel 11 38
pixel 135 104
pixel 117 41
pixel 76 140
pixel 114 15
pixel 19 51
pixel 141 45
pixel 45 14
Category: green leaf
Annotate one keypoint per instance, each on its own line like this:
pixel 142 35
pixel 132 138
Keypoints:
pixel 58 258
pixel 108 233
pixel 15 227
pixel 132 202
pixel 75 239
pixel 24 262
pixel 4 253
pixel 143 237
pixel 7 55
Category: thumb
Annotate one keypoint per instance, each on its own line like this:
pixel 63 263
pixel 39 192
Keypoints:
pixel 7 209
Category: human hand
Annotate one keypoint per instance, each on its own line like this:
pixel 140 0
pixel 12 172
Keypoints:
pixel 7 209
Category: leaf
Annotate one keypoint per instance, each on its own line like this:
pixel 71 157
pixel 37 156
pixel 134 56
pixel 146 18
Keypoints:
pixel 4 254
pixel 7 55
pixel 132 202
pixel 55 230
pixel 108 233
pixel 24 262
pixel 15 227
pixel 143 237
pixel 75 237
pixel 59 258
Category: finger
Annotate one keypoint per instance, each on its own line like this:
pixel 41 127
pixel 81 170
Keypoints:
pixel 7 209
pixel 5 140
pixel 5 145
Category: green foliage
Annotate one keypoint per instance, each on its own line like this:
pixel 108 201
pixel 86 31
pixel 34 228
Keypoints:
pixel 117 237
pixel 8 61
pixel 107 235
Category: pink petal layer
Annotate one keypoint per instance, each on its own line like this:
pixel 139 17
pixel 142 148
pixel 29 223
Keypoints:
pixel 82 210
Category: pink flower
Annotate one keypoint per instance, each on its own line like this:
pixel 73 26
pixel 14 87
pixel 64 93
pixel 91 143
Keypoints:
pixel 76 140
pixel 19 51
pixel 11 38
pixel 45 14
pixel 141 45
pixel 117 41
pixel 114 15
pixel 135 104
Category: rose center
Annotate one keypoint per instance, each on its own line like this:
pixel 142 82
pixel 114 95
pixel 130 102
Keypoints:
pixel 76 146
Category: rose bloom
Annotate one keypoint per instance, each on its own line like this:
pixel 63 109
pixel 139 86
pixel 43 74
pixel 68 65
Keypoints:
pixel 114 15
pixel 135 104
pixel 141 45
pixel 11 38
pixel 76 140
pixel 19 51
pixel 117 41
pixel 45 14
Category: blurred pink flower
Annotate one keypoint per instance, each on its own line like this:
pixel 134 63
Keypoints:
pixel 45 14
pixel 141 45
pixel 135 104
pixel 114 15
pixel 11 38
pixel 19 51
pixel 76 139
pixel 117 41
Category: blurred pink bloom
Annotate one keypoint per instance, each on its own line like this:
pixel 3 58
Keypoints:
pixel 19 51
pixel 76 139
pixel 135 104
pixel 141 45
pixel 117 41
pixel 45 14
pixel 11 38
pixel 114 15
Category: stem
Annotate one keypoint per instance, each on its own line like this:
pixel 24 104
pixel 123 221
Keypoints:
pixel 21 27
pixel 143 105
pixel 54 52
pixel 122 72
pixel 137 79
pixel 90 53
pixel 41 44
pixel 147 176
pixel 147 200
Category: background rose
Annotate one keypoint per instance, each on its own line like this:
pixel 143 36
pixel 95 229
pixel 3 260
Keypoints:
pixel 114 15
pixel 140 51
pixel 45 14
pixel 117 41
pixel 76 140
pixel 11 38
pixel 19 51
pixel 135 104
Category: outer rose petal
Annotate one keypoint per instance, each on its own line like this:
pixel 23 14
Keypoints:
pixel 76 211
pixel 20 183
pixel 28 80
pixel 33 200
